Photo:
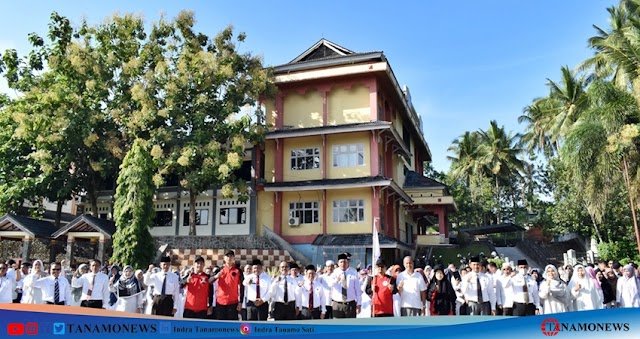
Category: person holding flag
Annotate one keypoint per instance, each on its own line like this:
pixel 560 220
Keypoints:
pixel 382 288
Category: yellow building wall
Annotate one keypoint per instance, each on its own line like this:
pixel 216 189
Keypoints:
pixel 348 106
pixel 349 227
pixel 302 229
pixel 270 161
pixel 266 203
pixel 299 143
pixel 270 112
pixel 398 165
pixel 303 110
pixel 345 139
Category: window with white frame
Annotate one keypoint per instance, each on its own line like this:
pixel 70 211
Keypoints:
pixel 202 217
pixel 348 155
pixel 305 158
pixel 308 212
pixel 348 210
pixel 233 215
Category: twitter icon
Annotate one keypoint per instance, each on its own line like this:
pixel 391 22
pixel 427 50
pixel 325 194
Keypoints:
pixel 59 328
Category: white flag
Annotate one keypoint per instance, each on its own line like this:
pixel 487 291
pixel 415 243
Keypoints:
pixel 375 242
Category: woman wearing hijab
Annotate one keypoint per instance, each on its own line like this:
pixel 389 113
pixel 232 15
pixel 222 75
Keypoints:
pixel 608 295
pixel 553 292
pixel 129 294
pixel 584 291
pixel 30 293
pixel 591 273
pixel 535 274
pixel 441 294
pixel 627 291
pixel 76 292
pixel 114 276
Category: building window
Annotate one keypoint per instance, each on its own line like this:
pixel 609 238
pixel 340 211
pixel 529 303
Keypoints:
pixel 348 155
pixel 202 217
pixel 304 159
pixel 348 210
pixel 233 216
pixel 164 218
pixel 307 211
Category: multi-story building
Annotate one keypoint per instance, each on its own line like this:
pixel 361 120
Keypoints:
pixel 345 152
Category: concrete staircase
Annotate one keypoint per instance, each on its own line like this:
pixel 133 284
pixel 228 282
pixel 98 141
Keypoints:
pixel 514 254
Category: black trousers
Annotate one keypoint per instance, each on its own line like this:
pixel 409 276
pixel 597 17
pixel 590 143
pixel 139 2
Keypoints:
pixel 187 313
pixel 344 309
pixel 59 303
pixel 18 298
pixel 282 311
pixel 162 305
pixel 91 303
pixel 243 313
pixel 213 314
pixel 254 312
pixel 508 311
pixel 227 312
pixel 307 314
pixel 329 314
pixel 520 309
pixel 382 315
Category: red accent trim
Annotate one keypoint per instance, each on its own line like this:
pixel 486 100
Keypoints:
pixel 300 239
pixel 324 212
pixel 374 154
pixel 277 214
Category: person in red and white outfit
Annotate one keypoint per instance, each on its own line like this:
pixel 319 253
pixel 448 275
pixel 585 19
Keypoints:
pixel 257 292
pixel 382 288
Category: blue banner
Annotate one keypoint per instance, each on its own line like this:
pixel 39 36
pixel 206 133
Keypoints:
pixel 71 322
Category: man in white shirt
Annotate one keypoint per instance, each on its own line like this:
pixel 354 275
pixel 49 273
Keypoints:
pixel 166 286
pixel 507 292
pixel 328 271
pixel 491 270
pixel 95 287
pixel 257 292
pixel 478 291
pixel 243 311
pixel 310 301
pixel 283 294
pixel 412 289
pixel 6 286
pixel 346 291
pixel 13 275
pixel 526 299
pixel 21 274
pixel 55 287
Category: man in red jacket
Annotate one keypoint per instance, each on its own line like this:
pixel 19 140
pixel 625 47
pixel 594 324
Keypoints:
pixel 383 288
pixel 198 283
pixel 229 292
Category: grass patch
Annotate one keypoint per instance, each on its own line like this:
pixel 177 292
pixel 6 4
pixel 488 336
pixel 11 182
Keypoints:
pixel 450 255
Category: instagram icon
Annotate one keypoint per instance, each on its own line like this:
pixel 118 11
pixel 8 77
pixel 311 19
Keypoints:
pixel 245 329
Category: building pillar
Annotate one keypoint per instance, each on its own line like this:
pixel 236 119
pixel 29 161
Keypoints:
pixel 69 256
pixel 277 214
pixel 53 248
pixel 101 250
pixel 375 155
pixel 26 248
pixel 442 221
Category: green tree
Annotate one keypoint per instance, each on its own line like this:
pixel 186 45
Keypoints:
pixel 200 86
pixel 133 209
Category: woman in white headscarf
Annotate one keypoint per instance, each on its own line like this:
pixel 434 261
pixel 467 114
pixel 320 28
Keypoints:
pixel 129 293
pixel 553 292
pixel 30 293
pixel 583 291
pixel 628 288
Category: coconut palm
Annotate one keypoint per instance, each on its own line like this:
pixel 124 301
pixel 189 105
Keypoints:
pixel 539 117
pixel 464 161
pixel 567 101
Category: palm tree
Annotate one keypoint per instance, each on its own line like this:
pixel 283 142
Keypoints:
pixel 539 117
pixel 499 156
pixel 464 162
pixel 567 101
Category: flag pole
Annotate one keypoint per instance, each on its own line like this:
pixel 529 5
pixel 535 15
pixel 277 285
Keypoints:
pixel 375 254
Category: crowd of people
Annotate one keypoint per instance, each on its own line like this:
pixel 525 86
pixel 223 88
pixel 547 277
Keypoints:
pixel 232 292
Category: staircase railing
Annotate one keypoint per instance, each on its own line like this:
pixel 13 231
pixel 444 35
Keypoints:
pixel 283 244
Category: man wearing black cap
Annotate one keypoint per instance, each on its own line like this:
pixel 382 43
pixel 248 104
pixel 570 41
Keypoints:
pixel 229 291
pixel 198 286
pixel 526 299
pixel 382 288
pixel 310 296
pixel 166 287
pixel 478 291
pixel 346 291
pixel 283 294
pixel 257 288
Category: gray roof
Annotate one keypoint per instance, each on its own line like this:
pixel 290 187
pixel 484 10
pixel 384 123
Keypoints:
pixel 88 223
pixel 285 132
pixel 489 229
pixel 355 240
pixel 34 227
pixel 413 179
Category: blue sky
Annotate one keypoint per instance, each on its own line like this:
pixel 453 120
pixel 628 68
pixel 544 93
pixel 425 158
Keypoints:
pixel 465 62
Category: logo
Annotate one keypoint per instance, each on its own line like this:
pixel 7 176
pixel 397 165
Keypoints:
pixel 32 328
pixel 15 329
pixel 59 328
pixel 165 327
pixel 550 327
pixel 245 329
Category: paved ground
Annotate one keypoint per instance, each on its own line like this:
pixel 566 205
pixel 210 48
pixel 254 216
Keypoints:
pixel 514 254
